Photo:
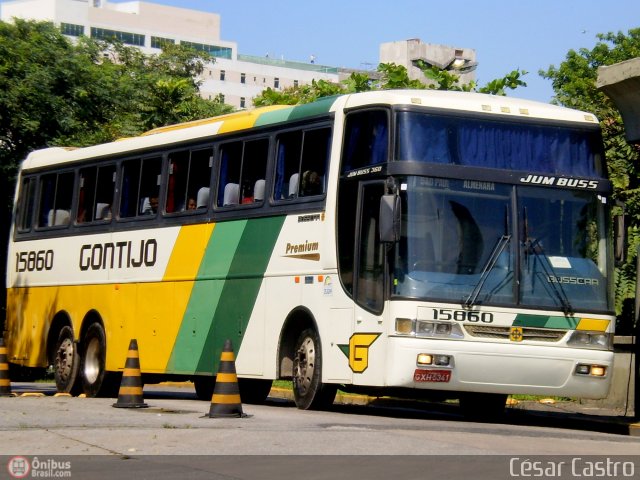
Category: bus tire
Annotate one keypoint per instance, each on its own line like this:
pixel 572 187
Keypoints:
pixel 309 392
pixel 66 362
pixel 204 387
pixel 94 354
pixel 254 390
pixel 483 406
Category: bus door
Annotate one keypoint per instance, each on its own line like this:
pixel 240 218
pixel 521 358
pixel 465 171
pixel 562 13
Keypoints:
pixel 367 345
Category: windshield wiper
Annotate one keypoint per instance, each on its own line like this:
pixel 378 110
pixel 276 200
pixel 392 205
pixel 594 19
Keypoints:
pixel 486 270
pixel 536 248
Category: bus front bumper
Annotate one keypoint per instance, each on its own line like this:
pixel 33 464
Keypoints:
pixel 498 368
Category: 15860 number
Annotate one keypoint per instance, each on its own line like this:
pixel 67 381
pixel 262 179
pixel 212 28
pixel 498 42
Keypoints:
pixel 33 261
pixel 462 315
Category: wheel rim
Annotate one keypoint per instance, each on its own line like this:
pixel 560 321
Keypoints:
pixel 92 361
pixel 305 365
pixel 65 359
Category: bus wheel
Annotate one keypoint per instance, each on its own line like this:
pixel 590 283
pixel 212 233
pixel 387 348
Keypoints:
pixel 66 361
pixel 483 406
pixel 94 350
pixel 308 390
pixel 204 387
pixel 254 390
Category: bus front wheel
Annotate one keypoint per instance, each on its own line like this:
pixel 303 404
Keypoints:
pixel 483 406
pixel 66 361
pixel 308 390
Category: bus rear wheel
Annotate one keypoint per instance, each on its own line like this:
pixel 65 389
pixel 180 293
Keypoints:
pixel 308 390
pixel 95 380
pixel 66 361
pixel 254 390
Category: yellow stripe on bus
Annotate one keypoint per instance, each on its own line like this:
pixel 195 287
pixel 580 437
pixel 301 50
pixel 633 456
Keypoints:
pixel 593 324
pixel 188 251
pixel 242 122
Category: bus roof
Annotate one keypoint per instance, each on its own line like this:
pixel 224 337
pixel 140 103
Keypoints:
pixel 501 106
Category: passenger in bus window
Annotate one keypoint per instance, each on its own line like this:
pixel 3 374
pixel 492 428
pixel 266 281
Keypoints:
pixel 311 183
pixel 149 206
pixel 191 203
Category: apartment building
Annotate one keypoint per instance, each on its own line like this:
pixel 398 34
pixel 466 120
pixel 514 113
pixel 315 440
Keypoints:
pixel 237 77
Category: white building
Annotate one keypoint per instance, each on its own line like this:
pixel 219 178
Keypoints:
pixel 238 78
pixel 460 61
pixel 146 25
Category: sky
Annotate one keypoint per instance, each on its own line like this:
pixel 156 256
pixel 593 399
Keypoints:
pixel 527 34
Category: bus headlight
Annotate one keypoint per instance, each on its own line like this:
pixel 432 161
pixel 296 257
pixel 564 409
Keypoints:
pixel 587 339
pixel 427 328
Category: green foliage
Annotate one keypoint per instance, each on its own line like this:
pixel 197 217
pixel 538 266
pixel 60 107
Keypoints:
pixel 389 76
pixel 53 92
pixel 574 84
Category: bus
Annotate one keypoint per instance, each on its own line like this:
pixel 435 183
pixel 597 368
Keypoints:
pixel 410 243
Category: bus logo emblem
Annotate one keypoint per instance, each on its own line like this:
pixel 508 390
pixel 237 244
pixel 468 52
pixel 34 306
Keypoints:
pixel 515 334
pixel 358 350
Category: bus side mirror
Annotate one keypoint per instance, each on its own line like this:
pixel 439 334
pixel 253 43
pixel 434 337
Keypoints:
pixel 389 218
pixel 619 239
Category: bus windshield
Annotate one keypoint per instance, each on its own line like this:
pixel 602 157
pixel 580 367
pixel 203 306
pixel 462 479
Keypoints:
pixel 462 241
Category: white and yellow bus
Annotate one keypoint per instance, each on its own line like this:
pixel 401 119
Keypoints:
pixel 396 241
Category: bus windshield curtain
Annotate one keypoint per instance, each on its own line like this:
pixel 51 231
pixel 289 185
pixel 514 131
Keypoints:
pixel 533 148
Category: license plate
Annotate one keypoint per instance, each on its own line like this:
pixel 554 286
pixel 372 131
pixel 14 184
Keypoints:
pixel 432 375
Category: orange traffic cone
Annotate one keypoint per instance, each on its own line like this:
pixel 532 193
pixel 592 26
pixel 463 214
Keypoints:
pixel 5 382
pixel 225 401
pixel 130 393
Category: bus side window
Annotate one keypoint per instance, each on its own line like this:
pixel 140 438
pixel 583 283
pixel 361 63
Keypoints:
pixel 366 139
pixel 301 163
pixel 56 192
pixel 313 166
pixel 25 204
pixel 243 168
pixel 95 193
pixel 189 177
pixel 140 187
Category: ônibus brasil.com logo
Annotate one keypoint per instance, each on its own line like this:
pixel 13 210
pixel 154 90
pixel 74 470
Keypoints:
pixel 21 467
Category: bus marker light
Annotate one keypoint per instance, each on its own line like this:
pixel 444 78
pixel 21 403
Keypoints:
pixel 442 360
pixel 424 359
pixel 582 370
pixel 591 370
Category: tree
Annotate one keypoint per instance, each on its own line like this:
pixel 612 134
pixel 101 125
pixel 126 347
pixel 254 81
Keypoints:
pixel 54 92
pixel 389 76
pixel 574 84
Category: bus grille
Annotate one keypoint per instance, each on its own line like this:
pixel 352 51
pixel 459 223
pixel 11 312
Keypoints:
pixel 532 334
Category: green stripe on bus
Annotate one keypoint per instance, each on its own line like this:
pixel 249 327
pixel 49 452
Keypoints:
pixel 241 288
pixel 545 321
pixel 275 116
pixel 311 109
pixel 205 296
pixel 225 292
